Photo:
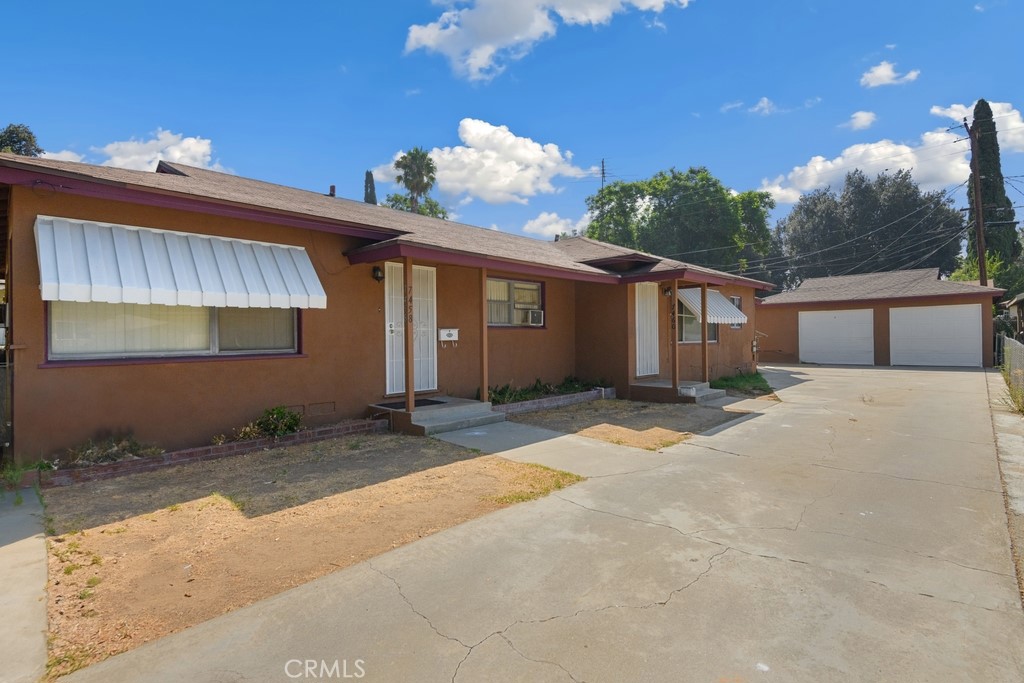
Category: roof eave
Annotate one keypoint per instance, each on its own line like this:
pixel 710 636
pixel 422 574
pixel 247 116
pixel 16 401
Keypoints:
pixel 393 249
pixel 102 188
pixel 994 294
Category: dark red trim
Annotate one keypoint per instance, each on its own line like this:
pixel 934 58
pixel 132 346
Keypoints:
pixel 697 276
pixel 456 258
pixel 167 360
pixel 165 199
pixel 873 302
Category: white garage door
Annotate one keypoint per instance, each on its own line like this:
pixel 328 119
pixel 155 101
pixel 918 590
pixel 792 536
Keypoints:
pixel 837 337
pixel 947 336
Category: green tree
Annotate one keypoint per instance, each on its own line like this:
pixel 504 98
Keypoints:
pixel 428 207
pixel 369 189
pixel 874 225
pixel 417 173
pixel 687 215
pixel 1001 236
pixel 17 138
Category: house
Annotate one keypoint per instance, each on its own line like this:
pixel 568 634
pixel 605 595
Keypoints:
pixel 180 303
pixel 905 317
pixel 1015 309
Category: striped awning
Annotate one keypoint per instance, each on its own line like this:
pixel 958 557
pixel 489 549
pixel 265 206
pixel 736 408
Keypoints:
pixel 88 261
pixel 720 309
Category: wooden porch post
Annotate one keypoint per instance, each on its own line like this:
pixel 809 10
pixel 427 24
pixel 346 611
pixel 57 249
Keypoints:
pixel 704 332
pixel 674 308
pixel 483 336
pixel 410 362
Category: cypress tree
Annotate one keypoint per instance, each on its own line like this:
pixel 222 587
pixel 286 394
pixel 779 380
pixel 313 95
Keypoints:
pixel 369 189
pixel 1000 227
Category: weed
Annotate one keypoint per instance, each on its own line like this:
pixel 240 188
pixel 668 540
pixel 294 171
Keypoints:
pixel 93 581
pixel 96 560
pixel 85 594
pixel 110 449
pixel 234 501
pixel 70 569
pixel 752 383
pixel 355 444
pixel 174 507
pixel 71 660
pixel 274 422
pixel 1014 398
pixel 507 393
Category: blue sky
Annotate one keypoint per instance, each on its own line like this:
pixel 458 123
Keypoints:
pixel 520 100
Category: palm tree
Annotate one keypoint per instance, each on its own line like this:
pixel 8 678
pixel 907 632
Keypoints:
pixel 418 174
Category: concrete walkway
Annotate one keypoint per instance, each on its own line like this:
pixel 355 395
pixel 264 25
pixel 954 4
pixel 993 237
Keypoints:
pixel 23 596
pixel 855 531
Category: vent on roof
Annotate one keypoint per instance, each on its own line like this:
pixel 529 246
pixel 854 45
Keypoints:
pixel 164 167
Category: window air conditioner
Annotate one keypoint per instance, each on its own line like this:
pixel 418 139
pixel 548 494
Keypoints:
pixel 536 318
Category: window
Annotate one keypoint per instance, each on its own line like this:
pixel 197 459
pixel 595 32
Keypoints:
pixel 689 326
pixel 736 301
pixel 509 302
pixel 99 330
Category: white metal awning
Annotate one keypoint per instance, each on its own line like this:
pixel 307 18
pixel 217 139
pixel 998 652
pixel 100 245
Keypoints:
pixel 720 309
pixel 87 261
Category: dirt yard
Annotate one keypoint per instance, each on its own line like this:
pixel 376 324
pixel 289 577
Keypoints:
pixel 630 423
pixel 139 557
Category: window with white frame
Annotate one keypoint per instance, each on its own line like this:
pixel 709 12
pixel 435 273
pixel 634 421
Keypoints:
pixel 509 302
pixel 99 330
pixel 736 301
pixel 689 325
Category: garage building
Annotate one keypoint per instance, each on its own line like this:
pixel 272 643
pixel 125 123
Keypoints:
pixel 906 317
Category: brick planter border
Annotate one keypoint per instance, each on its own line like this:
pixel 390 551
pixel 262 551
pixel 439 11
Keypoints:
pixel 555 401
pixel 51 478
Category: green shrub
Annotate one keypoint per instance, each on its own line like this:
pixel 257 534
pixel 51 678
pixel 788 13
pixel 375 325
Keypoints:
pixel 506 393
pixel 274 422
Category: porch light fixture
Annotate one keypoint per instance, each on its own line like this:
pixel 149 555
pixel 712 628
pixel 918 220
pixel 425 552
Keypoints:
pixel 378 274
pixel 667 291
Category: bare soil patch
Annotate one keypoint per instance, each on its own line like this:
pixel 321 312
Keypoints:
pixel 630 423
pixel 143 556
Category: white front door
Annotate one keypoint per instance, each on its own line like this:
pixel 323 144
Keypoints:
pixel 646 329
pixel 424 315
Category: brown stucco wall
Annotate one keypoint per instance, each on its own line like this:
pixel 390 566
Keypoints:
pixel 604 334
pixel 521 355
pixel 781 323
pixel 182 403
pixel 730 355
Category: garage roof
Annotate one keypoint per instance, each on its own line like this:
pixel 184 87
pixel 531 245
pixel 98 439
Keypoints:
pixel 899 284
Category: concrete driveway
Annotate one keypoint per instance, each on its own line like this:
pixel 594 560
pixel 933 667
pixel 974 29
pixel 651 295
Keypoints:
pixel 855 531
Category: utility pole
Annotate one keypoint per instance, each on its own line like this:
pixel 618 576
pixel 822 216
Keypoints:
pixel 602 174
pixel 979 219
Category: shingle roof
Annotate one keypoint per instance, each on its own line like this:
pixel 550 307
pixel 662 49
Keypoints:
pixel 396 227
pixel 899 284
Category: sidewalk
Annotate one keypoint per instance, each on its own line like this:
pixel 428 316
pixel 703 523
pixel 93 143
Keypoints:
pixel 23 599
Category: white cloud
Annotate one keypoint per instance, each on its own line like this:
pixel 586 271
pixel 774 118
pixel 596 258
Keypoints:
pixel 861 120
pixel 764 107
pixel 1009 123
pixel 937 161
pixel 63 155
pixel 549 224
pixel 729 106
pixel 481 37
pixel 143 155
pixel 495 165
pixel 890 46
pixel 884 73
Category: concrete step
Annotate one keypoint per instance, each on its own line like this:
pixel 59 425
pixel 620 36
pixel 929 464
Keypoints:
pixel 692 388
pixel 703 396
pixel 451 410
pixel 440 426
